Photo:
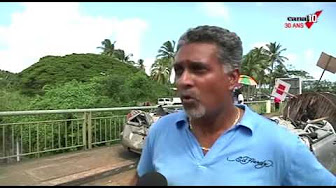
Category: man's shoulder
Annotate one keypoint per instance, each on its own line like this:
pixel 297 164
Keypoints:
pixel 258 119
pixel 168 120
pixel 268 128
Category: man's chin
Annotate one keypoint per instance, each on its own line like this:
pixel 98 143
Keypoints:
pixel 195 113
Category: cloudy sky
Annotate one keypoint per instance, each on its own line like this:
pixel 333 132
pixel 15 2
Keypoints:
pixel 29 31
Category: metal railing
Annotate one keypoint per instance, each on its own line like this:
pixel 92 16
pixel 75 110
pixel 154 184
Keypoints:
pixel 43 132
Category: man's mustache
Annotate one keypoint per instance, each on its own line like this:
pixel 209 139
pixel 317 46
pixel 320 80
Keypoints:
pixel 188 94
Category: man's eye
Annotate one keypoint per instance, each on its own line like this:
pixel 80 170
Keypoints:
pixel 178 70
pixel 198 69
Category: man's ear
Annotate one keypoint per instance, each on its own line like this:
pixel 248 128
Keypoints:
pixel 233 78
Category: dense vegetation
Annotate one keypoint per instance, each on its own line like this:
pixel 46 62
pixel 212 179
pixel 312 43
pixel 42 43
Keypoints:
pixel 78 81
pixel 74 81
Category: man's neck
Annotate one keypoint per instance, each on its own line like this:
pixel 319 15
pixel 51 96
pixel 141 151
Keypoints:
pixel 216 122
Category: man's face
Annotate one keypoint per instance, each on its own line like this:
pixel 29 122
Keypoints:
pixel 202 84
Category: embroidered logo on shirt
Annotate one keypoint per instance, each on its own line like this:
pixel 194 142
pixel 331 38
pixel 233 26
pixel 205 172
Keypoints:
pixel 257 164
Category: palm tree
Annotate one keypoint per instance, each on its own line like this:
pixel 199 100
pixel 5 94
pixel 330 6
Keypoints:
pixel 160 70
pixel 167 51
pixel 280 72
pixel 128 60
pixel 107 47
pixel 273 52
pixel 120 55
pixel 255 64
pixel 141 65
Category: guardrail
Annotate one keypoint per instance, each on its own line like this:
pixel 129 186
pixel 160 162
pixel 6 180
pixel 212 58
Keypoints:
pixel 42 132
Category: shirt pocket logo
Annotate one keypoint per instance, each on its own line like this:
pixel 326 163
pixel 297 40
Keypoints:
pixel 249 160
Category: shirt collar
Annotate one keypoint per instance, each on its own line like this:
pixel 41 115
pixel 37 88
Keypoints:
pixel 248 120
pixel 181 119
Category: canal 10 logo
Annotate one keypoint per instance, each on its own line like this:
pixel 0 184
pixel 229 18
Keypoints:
pixel 302 22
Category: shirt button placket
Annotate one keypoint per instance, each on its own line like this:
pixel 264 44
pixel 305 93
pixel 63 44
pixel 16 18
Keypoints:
pixel 200 166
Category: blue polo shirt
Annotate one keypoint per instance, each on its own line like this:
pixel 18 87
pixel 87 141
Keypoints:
pixel 255 151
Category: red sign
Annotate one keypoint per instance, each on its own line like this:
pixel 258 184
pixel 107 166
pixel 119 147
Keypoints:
pixel 280 89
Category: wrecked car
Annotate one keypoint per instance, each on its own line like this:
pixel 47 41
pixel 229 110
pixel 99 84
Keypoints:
pixel 312 116
pixel 318 135
pixel 136 128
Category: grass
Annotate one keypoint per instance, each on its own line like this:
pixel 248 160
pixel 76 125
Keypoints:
pixel 260 108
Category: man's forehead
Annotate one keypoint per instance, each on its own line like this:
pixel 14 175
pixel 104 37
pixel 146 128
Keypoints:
pixel 193 60
pixel 189 62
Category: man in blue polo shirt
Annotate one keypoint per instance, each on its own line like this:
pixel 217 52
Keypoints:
pixel 214 142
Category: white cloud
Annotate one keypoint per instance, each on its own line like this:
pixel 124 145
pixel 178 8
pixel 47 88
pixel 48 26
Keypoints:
pixel 59 29
pixel 307 60
pixel 148 63
pixel 292 59
pixel 216 9
pixel 309 54
pixel 309 63
pixel 259 4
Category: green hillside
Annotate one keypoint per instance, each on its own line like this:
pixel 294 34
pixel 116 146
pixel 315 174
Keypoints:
pixel 7 79
pixel 53 70
pixel 78 81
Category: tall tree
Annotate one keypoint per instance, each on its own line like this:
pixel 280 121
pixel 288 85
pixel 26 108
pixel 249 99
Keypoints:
pixel 300 73
pixel 107 47
pixel 255 64
pixel 127 59
pixel 141 65
pixel 120 54
pixel 167 51
pixel 280 72
pixel 273 51
pixel 160 70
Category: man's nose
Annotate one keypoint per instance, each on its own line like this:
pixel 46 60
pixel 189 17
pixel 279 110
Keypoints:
pixel 185 80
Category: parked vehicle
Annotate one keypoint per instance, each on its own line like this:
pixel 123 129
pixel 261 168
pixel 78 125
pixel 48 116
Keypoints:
pixel 164 101
pixel 169 101
pixel 176 101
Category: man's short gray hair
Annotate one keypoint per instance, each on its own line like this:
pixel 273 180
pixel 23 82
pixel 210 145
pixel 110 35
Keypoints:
pixel 228 43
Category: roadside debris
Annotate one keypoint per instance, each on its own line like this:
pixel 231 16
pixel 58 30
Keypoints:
pixel 312 116
pixel 137 126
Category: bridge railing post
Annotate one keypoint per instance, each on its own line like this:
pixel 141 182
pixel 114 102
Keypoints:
pixel 89 127
pixel 84 130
